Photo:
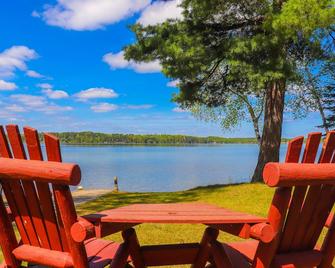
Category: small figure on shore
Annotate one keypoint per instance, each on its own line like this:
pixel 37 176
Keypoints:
pixel 116 184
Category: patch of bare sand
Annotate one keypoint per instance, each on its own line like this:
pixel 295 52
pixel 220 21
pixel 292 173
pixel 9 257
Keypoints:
pixel 84 195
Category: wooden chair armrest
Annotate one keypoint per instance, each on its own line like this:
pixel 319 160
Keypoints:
pixel 260 231
pixel 329 220
pixel 90 226
pixel 263 232
pixel 82 230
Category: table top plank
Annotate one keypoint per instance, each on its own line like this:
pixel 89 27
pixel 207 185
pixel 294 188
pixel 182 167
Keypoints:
pixel 195 213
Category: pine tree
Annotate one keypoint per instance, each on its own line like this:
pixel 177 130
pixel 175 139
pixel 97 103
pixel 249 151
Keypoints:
pixel 329 105
pixel 253 46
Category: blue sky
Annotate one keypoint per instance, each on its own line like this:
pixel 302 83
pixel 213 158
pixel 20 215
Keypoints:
pixel 62 69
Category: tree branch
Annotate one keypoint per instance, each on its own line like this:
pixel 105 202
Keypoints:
pixel 236 26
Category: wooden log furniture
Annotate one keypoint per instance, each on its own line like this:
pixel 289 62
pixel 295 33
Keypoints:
pixel 41 206
pixel 52 235
pixel 124 218
pixel 300 210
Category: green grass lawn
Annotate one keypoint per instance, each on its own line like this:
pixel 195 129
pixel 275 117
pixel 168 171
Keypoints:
pixel 251 198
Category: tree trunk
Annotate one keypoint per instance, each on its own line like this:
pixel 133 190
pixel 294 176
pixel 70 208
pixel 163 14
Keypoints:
pixel 322 113
pixel 316 96
pixel 255 123
pixel 272 130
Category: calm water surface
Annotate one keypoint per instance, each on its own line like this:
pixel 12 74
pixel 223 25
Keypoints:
pixel 166 168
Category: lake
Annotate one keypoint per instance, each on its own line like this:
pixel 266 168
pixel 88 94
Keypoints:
pixel 163 168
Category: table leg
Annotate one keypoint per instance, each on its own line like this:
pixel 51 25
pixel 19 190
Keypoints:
pixel 220 256
pixel 121 257
pixel 210 235
pixel 130 237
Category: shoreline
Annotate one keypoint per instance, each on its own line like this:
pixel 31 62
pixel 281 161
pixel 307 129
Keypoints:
pixel 162 144
pixel 85 195
pixel 81 196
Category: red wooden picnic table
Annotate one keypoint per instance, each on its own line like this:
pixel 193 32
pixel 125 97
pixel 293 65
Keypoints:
pixel 124 218
pixel 193 213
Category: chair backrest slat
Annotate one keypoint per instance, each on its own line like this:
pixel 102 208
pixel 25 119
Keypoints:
pixel 53 152
pixel 294 150
pixel 43 216
pixel 44 193
pixel 65 205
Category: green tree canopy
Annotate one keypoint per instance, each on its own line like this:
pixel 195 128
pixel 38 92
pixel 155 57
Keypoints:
pixel 224 47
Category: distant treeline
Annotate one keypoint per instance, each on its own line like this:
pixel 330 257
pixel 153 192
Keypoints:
pixel 102 138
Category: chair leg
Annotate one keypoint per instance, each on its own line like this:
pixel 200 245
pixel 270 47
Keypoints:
pixel 210 235
pixel 130 236
pixel 121 257
pixel 219 255
pixel 211 262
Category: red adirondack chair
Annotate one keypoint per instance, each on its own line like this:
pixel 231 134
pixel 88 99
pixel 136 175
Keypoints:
pixel 299 211
pixel 42 214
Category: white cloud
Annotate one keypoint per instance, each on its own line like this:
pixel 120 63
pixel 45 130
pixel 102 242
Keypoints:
pixel 34 74
pixel 117 61
pixel 47 89
pixel 139 107
pixel 104 107
pixel 179 110
pixel 29 100
pixel 53 108
pixel 38 103
pixel 160 11
pixel 15 108
pixel 96 93
pixel 35 14
pixel 89 14
pixel 45 86
pixel 7 85
pixel 55 94
pixel 15 58
pixel 173 83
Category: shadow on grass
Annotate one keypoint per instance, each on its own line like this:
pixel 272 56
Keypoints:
pixel 113 200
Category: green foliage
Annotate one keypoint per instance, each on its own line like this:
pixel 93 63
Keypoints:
pixel 228 116
pixel 221 46
pixel 304 17
pixel 232 114
pixel 102 138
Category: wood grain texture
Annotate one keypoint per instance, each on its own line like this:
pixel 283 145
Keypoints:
pixel 43 256
pixel 44 193
pixel 67 215
pixel 6 153
pixel 276 217
pixel 20 190
pixel 41 171
pixel 290 174
pixel 293 216
pixel 8 240
pixel 176 213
